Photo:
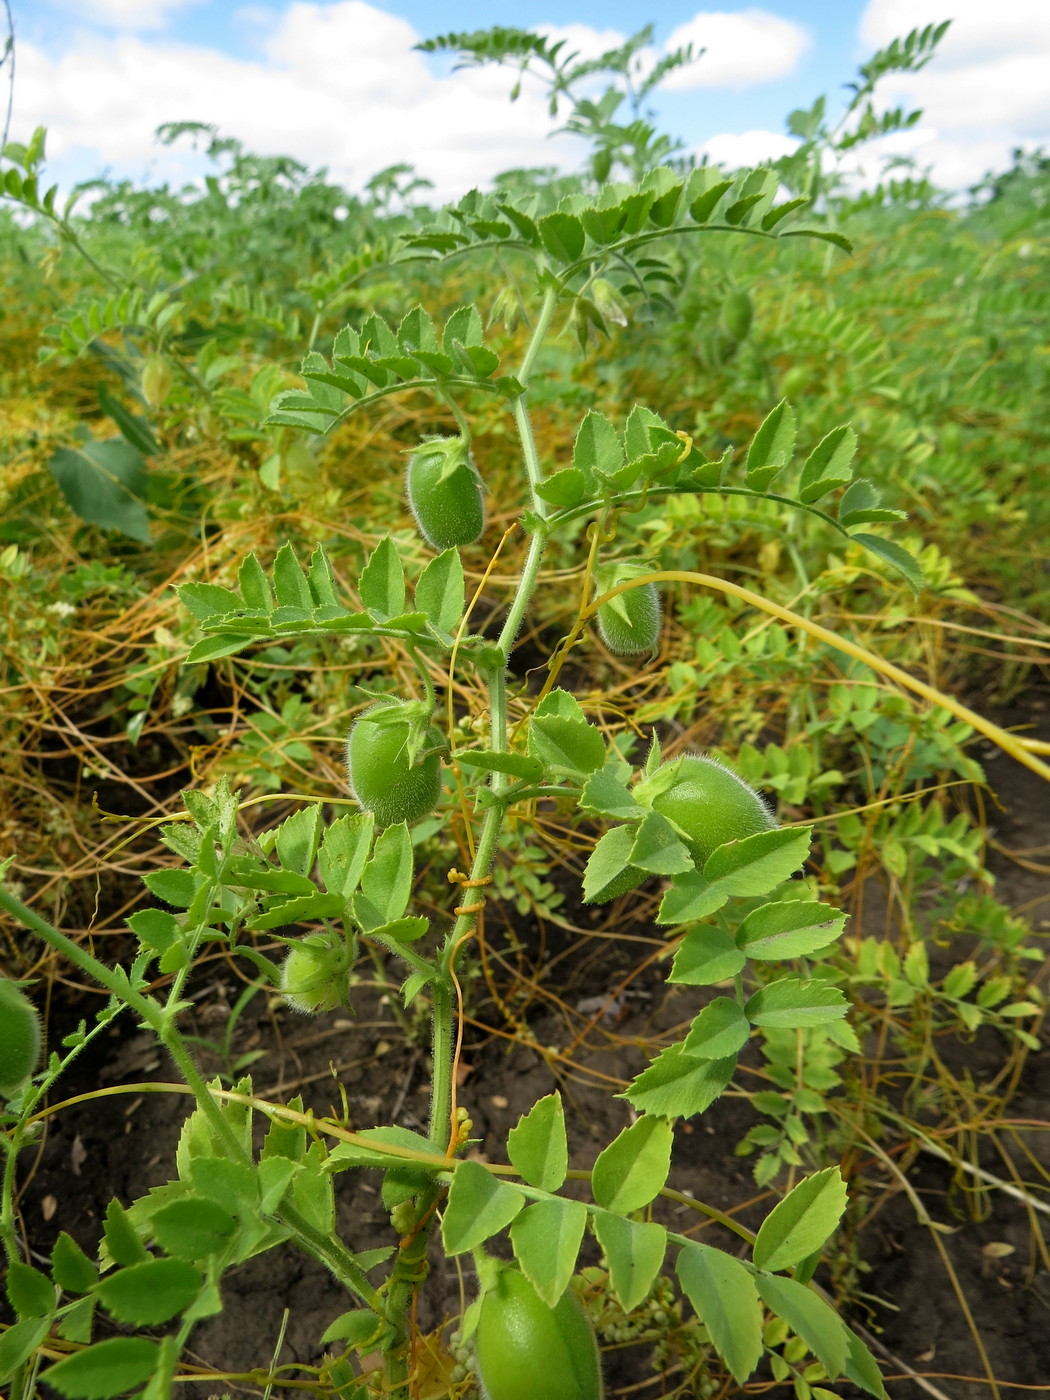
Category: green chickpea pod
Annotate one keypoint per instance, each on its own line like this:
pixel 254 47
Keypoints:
pixel 382 775
pixel 528 1351
pixel 710 805
pixel 19 1038
pixel 444 493
pixel 630 622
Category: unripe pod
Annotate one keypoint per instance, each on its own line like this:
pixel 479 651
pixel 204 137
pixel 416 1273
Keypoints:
pixel 19 1038
pixel 528 1351
pixel 314 975
pixel 737 314
pixel 793 381
pixel 630 622
pixel 444 492
pixel 382 776
pixel 156 381
pixel 710 805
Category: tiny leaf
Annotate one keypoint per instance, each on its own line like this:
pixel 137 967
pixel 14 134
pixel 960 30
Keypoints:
pixel 382 582
pixel 546 1239
pixel 104 1370
pixel 793 1003
pixel 722 1290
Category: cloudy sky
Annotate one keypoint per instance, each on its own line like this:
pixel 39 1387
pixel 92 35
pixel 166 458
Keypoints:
pixel 336 83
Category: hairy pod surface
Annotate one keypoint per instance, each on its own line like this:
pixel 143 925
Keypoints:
pixel 737 315
pixel 528 1351
pixel 710 805
pixel 156 381
pixel 19 1038
pixel 314 974
pixel 630 622
pixel 444 493
pixel 382 778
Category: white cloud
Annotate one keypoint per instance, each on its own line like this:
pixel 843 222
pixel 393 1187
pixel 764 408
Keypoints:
pixel 735 150
pixel 978 30
pixel 582 40
pixel 742 49
pixel 339 86
pixel 986 90
pixel 123 14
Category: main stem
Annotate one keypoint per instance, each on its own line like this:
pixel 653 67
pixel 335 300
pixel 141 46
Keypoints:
pixel 488 842
pixel 410 1266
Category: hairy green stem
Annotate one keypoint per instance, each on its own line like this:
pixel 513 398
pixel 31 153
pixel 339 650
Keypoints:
pixel 333 1253
pixel 461 418
pixel 530 569
pixel 410 1265
pixel 441 1060
pixel 539 335
pixel 158 1020
pixel 424 676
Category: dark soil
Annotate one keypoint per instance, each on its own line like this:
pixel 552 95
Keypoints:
pixel 904 1298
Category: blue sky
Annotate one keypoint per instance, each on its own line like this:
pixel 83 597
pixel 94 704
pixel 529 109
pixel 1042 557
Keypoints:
pixel 337 83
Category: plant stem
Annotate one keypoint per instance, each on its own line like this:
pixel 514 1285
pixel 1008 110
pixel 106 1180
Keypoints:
pixel 158 1020
pixel 441 1061
pixel 539 334
pixel 530 569
pixel 333 1253
pixel 461 418
pixel 410 1265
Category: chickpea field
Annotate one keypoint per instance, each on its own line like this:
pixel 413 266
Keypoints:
pixel 525 825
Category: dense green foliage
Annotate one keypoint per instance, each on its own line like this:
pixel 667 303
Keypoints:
pixel 216 390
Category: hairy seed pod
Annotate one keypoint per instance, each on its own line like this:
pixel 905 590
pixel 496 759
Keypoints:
pixel 737 315
pixel 156 381
pixel 314 974
pixel 630 622
pixel 710 805
pixel 444 493
pixel 528 1351
pixel 19 1038
pixel 382 776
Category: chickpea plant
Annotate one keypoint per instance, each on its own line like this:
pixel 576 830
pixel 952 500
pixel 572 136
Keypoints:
pixel 734 912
